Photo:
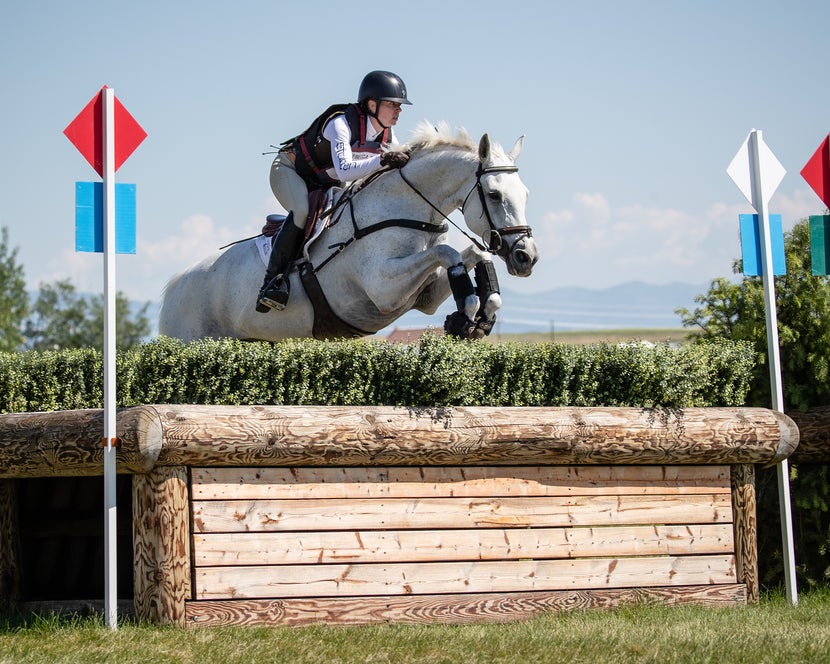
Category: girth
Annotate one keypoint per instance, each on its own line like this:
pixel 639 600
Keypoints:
pixel 327 324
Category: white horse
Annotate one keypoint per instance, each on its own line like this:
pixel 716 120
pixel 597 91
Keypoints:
pixel 383 253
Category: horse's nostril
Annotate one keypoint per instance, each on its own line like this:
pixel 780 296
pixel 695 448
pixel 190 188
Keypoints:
pixel 523 257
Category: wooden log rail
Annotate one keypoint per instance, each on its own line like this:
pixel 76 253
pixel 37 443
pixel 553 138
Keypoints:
pixel 302 514
pixel 814 435
pixel 68 443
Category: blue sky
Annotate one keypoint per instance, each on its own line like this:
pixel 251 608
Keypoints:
pixel 631 110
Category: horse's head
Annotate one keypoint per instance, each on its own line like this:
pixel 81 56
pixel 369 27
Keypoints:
pixel 494 208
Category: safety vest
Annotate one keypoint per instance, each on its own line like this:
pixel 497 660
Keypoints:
pixel 312 151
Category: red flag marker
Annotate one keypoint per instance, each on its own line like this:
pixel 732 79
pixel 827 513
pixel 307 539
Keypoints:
pixel 817 171
pixel 86 133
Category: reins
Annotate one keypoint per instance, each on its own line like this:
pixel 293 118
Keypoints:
pixel 432 205
pixel 348 199
pixel 495 244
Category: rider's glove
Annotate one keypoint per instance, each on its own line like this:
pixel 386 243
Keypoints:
pixel 394 159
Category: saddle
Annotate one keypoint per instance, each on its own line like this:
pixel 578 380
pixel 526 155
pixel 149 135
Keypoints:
pixel 327 324
pixel 317 200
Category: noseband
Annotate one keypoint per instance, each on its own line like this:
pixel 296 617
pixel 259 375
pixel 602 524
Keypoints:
pixel 496 242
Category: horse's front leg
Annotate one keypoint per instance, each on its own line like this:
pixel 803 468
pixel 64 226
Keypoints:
pixel 487 287
pixel 418 278
pixel 437 289
pixel 476 306
pixel 463 323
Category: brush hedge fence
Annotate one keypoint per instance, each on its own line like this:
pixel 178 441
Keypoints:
pixel 437 371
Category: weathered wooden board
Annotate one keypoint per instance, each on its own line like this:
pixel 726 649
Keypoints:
pixel 398 513
pixel 369 546
pixel 351 580
pixel 453 609
pixel 457 481
pixel 162 577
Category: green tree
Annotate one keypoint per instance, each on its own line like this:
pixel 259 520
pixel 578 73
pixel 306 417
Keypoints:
pixel 14 301
pixel 736 311
pixel 62 318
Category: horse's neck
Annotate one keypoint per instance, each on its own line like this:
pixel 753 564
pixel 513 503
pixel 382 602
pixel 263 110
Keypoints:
pixel 443 177
pixel 436 180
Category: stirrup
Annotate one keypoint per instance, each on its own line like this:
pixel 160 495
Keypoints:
pixel 273 296
pixel 262 306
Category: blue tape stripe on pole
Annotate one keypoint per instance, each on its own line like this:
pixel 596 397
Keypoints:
pixel 89 217
pixel 751 245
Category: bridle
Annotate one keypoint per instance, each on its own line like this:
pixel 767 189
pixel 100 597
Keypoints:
pixel 496 243
pixel 495 237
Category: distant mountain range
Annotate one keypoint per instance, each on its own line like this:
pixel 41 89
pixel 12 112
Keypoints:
pixel 633 304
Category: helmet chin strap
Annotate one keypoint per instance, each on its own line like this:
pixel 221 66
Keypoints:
pixel 375 114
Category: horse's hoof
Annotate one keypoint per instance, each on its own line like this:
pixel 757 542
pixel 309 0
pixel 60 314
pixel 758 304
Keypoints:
pixel 458 325
pixel 483 327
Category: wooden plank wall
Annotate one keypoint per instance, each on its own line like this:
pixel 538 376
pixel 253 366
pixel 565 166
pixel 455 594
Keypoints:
pixel 363 544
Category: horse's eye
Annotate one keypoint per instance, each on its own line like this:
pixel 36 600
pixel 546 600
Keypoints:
pixel 495 196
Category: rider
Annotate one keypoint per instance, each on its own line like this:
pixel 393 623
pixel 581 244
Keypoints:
pixel 346 142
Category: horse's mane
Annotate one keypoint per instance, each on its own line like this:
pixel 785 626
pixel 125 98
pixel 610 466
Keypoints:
pixel 426 136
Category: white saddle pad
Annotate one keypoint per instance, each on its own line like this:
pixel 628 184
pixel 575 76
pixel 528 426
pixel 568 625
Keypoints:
pixel 263 244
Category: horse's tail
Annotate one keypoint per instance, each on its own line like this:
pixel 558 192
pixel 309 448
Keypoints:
pixel 170 285
pixel 165 325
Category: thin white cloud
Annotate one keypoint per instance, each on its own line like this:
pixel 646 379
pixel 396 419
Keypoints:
pixel 595 244
pixel 142 276
pixel 802 203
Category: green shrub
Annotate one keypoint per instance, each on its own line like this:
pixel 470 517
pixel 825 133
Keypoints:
pixel 437 371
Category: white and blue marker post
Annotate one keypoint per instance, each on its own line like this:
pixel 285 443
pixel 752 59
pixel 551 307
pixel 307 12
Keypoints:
pixel 758 173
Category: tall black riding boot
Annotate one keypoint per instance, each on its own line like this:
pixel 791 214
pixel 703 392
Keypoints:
pixel 275 287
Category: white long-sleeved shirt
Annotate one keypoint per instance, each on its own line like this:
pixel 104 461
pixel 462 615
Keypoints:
pixel 350 165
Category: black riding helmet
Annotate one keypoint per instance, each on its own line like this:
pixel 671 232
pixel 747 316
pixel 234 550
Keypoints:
pixel 382 86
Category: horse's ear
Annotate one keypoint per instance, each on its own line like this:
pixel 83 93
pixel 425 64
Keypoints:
pixel 517 148
pixel 484 148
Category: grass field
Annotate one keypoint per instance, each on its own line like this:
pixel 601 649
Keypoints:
pixel 773 631
pixel 674 335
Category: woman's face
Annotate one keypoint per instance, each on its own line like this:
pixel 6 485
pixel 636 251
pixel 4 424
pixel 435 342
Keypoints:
pixel 388 112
